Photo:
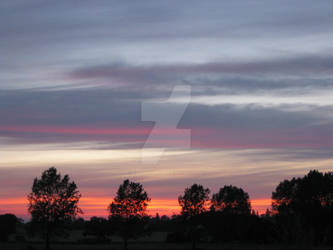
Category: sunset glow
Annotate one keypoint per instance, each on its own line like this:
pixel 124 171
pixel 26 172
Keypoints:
pixel 97 206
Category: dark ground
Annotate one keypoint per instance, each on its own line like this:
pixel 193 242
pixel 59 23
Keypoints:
pixel 152 246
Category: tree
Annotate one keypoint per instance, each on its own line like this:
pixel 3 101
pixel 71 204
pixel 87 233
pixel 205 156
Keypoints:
pixel 284 193
pixel 193 203
pixel 128 210
pixel 231 199
pixel 7 226
pixel 53 201
pixel 305 205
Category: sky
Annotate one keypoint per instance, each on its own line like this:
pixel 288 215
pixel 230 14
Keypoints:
pixel 166 93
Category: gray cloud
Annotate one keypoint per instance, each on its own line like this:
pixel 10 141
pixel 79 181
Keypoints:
pixel 291 76
pixel 301 65
pixel 40 117
pixel 42 37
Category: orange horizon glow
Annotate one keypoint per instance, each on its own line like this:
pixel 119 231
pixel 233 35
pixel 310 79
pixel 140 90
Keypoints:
pixel 97 206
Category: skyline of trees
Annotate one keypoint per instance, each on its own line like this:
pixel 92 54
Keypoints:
pixel 302 213
pixel 228 197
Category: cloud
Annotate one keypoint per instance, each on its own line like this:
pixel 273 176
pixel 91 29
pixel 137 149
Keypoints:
pixel 295 77
pixel 61 37
pixel 114 119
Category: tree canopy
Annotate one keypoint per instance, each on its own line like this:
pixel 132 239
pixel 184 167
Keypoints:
pixel 53 200
pixel 194 201
pixel 53 197
pixel 310 194
pixel 304 206
pixel 131 200
pixel 128 210
pixel 231 199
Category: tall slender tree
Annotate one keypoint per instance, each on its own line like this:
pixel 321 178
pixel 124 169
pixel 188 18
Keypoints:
pixel 194 202
pixel 128 210
pixel 53 201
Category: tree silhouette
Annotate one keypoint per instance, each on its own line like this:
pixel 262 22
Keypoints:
pixel 305 205
pixel 127 211
pixel 231 199
pixel 7 226
pixel 193 203
pixel 53 201
pixel 284 193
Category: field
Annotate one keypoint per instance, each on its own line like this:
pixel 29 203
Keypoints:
pixel 151 246
pixel 154 241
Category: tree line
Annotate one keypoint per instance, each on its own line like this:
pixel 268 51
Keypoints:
pixel 301 213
